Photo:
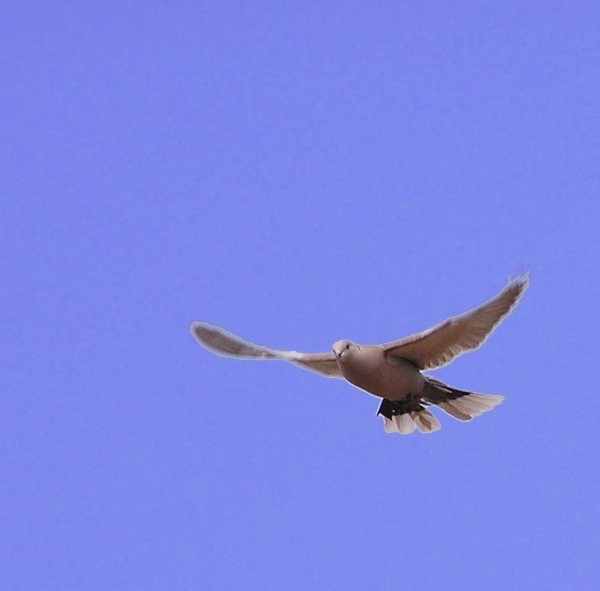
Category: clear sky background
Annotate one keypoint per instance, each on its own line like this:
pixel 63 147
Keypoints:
pixel 297 173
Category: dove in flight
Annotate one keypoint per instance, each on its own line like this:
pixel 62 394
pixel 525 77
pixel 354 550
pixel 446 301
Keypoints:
pixel 393 371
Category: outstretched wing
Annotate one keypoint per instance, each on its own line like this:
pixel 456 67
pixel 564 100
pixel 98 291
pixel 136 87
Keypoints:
pixel 442 343
pixel 226 344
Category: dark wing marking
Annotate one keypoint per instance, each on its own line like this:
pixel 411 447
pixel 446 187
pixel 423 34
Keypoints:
pixel 391 408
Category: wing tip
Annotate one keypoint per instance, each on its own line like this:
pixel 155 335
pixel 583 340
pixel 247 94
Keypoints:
pixel 521 282
pixel 193 328
pixel 199 329
pixel 217 340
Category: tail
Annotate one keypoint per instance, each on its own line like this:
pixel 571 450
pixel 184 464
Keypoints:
pixel 460 404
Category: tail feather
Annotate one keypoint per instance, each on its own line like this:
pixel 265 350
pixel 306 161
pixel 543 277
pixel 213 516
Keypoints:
pixel 404 416
pixel 453 412
pixel 405 423
pixel 460 404
pixel 390 426
pixel 425 421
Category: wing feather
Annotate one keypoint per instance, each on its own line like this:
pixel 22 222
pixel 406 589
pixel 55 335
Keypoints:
pixel 224 343
pixel 442 343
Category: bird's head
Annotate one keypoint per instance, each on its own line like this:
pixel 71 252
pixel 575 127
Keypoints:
pixel 343 349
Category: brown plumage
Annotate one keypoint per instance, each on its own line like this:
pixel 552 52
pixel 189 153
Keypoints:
pixel 393 371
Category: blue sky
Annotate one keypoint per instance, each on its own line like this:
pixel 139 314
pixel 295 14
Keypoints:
pixel 299 174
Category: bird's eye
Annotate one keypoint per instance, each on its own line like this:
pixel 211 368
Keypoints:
pixel 347 345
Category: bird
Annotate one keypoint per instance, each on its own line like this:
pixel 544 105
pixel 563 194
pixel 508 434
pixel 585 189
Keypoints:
pixel 394 372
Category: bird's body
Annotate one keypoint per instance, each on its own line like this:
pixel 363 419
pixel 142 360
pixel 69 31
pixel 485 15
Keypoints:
pixel 368 368
pixel 393 371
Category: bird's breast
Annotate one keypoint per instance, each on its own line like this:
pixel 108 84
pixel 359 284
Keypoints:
pixel 370 370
